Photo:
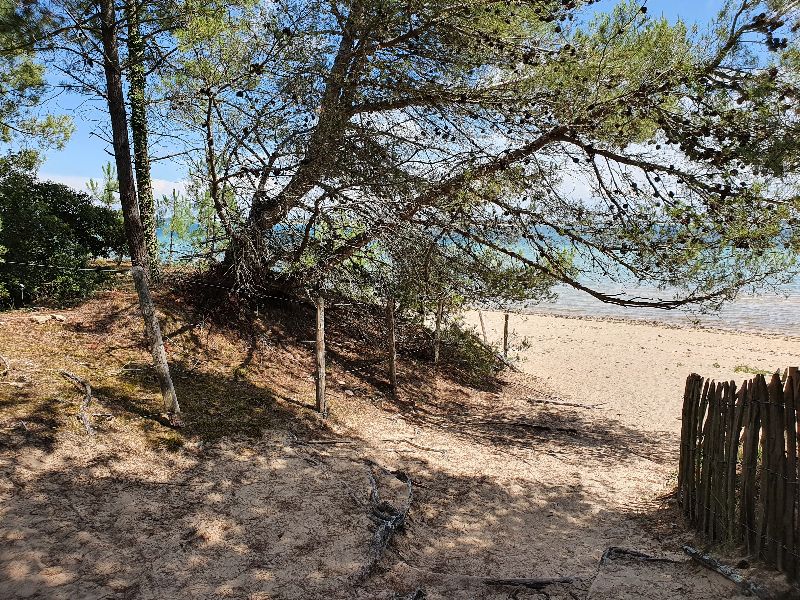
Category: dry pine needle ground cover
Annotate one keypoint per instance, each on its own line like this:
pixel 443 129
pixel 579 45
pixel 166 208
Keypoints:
pixel 257 498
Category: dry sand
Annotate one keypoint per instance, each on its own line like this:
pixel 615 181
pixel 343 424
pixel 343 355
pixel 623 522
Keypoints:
pixel 506 484
pixel 637 370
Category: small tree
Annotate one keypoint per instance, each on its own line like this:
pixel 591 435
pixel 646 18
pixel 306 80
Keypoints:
pixel 176 216
pixel 107 194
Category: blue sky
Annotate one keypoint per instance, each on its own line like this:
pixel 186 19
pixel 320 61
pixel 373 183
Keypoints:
pixel 86 152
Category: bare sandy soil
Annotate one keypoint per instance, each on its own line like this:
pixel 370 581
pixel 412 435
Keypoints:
pixel 635 370
pixel 507 483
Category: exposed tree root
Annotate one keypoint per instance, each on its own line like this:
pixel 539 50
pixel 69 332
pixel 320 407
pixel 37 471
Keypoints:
pixel 614 553
pixel 533 584
pixel 727 572
pixel 82 414
pixel 389 518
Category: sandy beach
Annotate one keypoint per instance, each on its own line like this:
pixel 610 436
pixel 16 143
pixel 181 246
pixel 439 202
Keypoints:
pixel 635 370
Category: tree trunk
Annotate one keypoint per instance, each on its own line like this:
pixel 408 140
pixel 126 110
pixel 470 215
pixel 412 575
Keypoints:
pixel 139 130
pixel 127 196
pixel 156 343
pixel 119 130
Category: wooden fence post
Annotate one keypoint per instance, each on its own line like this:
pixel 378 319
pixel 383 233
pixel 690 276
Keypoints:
pixel 505 337
pixel 709 431
pixel 778 484
pixel 737 410
pixel 392 345
pixel 690 478
pixel 437 334
pixel 483 326
pixel 790 515
pixel 685 448
pixel 700 455
pixel 322 406
pixel 749 508
pixel 762 396
pixel 156 342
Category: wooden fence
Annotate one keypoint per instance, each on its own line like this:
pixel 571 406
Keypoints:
pixel 738 472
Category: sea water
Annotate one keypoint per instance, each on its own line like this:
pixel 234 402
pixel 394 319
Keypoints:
pixel 776 311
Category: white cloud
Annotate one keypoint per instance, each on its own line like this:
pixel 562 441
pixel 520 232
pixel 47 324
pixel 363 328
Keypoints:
pixel 76 182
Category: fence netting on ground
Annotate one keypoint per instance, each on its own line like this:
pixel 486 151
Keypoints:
pixel 738 470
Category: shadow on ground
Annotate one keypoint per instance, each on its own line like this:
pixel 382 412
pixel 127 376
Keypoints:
pixel 272 518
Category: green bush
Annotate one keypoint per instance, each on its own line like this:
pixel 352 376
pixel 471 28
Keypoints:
pixel 51 224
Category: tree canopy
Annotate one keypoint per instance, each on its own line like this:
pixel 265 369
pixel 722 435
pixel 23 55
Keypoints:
pixel 536 141
pixel 22 85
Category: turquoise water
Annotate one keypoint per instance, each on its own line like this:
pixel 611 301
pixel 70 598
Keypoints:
pixel 767 312
pixel 179 247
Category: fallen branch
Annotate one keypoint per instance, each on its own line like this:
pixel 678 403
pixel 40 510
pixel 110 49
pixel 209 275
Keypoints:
pixel 507 362
pixel 536 426
pixel 390 519
pixel 82 414
pixel 614 553
pixel 570 404
pixel 533 584
pixel 410 443
pixel 727 572
pixel 437 577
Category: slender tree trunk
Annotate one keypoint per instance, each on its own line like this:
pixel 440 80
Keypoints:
pixel 156 342
pixel 171 242
pixel 127 194
pixel 172 225
pixel 139 131
pixel 119 130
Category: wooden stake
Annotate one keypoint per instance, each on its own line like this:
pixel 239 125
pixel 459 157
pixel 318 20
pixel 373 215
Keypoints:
pixel 505 337
pixel 762 397
pixel 392 345
pixel 322 406
pixel 156 343
pixel 700 453
pixel 734 442
pixel 483 326
pixel 437 334
pixel 789 516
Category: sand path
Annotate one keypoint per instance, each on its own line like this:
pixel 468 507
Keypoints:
pixel 506 484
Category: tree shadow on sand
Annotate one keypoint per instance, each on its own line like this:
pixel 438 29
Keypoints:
pixel 274 518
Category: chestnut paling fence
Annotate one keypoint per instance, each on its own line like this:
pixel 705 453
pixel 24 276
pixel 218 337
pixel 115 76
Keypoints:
pixel 738 472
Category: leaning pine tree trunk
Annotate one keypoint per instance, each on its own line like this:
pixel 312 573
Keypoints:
pixel 139 131
pixel 119 128
pixel 127 190
pixel 156 343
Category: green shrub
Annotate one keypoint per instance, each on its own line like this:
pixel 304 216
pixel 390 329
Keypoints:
pixel 51 224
